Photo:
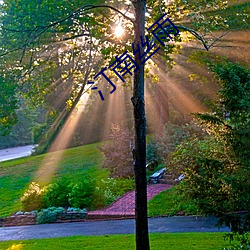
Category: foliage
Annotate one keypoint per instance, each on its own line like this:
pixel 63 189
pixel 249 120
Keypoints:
pixel 33 197
pixel 57 193
pixel 108 190
pixel 8 105
pixel 152 157
pixel 38 131
pixel 166 141
pixel 243 242
pixel 48 215
pixel 22 132
pixel 95 191
pixel 118 156
pixel 53 45
pixel 205 175
pixel 217 168
pixel 81 194
pixel 103 193
pixel 236 16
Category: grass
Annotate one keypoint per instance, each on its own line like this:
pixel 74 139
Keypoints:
pixel 169 203
pixel 170 241
pixel 16 175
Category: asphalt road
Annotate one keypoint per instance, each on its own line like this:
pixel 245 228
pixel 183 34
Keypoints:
pixel 156 225
pixel 14 153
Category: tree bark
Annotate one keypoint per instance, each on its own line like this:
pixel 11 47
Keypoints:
pixel 139 151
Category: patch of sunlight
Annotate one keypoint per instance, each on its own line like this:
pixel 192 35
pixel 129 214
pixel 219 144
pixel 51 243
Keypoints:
pixel 15 247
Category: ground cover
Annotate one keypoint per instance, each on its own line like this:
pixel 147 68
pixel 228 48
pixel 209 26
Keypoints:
pixel 170 241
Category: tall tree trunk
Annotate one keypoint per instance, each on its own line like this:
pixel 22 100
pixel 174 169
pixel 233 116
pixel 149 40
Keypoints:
pixel 139 151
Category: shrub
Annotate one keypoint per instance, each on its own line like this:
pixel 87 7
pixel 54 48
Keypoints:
pixel 103 194
pixel 48 215
pixel 109 189
pixel 33 197
pixel 57 193
pixel 123 185
pixel 243 242
pixel 81 194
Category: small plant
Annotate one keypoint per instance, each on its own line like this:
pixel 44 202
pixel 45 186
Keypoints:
pixel 48 215
pixel 33 197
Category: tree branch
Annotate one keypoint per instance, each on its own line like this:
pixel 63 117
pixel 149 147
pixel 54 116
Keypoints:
pixel 200 37
pixel 42 29
pixel 195 34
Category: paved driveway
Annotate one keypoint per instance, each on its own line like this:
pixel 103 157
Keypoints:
pixel 14 153
pixel 159 225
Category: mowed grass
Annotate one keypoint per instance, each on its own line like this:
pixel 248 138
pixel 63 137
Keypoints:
pixel 170 241
pixel 16 175
pixel 169 202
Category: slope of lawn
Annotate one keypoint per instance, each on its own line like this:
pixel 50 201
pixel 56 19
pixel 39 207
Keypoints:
pixel 173 241
pixel 16 175
pixel 170 203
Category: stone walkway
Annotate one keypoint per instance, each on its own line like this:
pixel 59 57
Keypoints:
pixel 124 207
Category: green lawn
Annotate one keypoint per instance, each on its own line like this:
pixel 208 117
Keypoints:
pixel 16 175
pixel 171 241
pixel 169 202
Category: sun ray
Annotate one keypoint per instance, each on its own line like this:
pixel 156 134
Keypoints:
pixel 50 163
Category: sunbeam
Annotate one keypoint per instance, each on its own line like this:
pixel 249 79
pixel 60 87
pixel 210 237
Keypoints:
pixel 51 161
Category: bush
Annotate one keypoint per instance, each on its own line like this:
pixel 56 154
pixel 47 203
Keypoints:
pixel 33 198
pixel 57 193
pixel 81 194
pixel 109 189
pixel 48 215
pixel 103 194
pixel 123 185
pixel 243 242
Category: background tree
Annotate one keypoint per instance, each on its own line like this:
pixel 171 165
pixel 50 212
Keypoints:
pixel 118 155
pixel 217 168
pixel 8 105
